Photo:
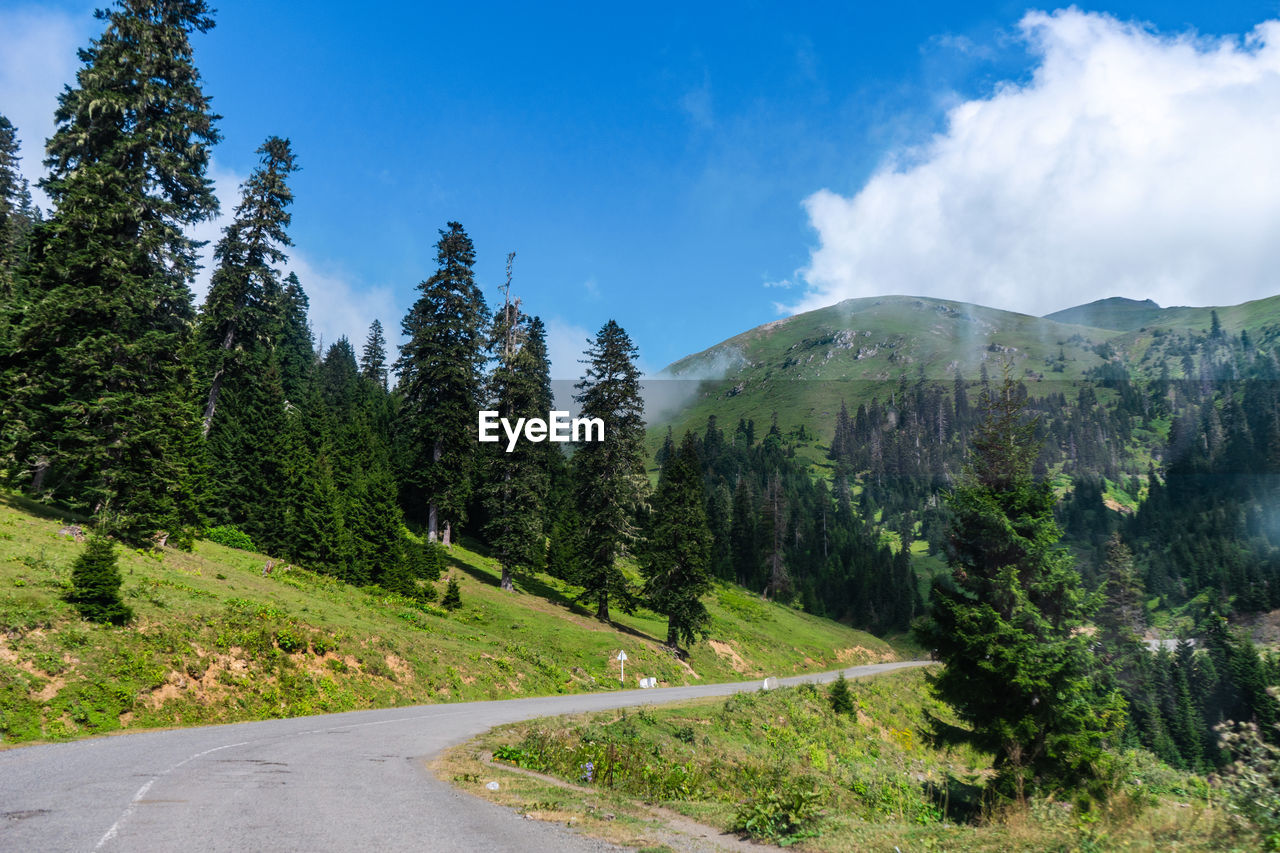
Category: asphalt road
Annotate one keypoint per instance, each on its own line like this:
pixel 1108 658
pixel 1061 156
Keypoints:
pixel 340 782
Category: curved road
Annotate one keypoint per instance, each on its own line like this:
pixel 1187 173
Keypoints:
pixel 354 781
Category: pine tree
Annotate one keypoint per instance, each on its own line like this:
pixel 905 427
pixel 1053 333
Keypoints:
pixel 1121 616
pixel 237 314
pixel 774 532
pixel 101 396
pixel 440 381
pixel 609 479
pixel 676 557
pixel 518 480
pixel 1007 625
pixel 18 218
pixel 373 360
pixel 744 541
pixel 95 584
pixel 294 345
pixel 452 595
pixel 840 697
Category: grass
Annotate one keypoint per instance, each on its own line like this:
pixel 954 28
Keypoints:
pixel 803 367
pixel 215 640
pixel 785 764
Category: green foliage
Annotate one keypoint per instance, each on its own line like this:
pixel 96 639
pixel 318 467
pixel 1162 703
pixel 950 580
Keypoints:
pixel 18 218
pixel 676 556
pixel 100 415
pixel 783 816
pixel 373 359
pixel 1007 624
pixel 839 696
pixel 609 757
pixel 517 480
pixel 230 536
pixel 609 475
pixel 452 595
pixel 1251 783
pixel 289 640
pixel 95 584
pixel 440 380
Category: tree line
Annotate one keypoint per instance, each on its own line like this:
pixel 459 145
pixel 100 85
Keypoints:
pixel 163 421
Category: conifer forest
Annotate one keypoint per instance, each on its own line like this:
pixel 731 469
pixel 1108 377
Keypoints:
pixel 1076 516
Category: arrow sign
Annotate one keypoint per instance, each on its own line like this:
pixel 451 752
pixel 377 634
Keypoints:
pixel 622 660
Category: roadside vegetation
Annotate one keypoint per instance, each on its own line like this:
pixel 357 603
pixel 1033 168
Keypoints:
pixel 786 767
pixel 215 638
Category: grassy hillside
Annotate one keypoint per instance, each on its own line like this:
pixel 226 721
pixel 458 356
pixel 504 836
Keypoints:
pixel 803 367
pixel 793 771
pixel 215 640
pixel 1113 313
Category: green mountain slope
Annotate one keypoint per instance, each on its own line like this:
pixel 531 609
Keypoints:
pixel 217 640
pixel 1128 315
pixel 1116 313
pixel 803 367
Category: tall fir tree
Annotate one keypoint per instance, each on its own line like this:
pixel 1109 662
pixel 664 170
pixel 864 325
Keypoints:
pixel 773 527
pixel 676 556
pixel 96 582
pixel 440 380
pixel 744 535
pixel 236 322
pixel 373 359
pixel 1007 625
pixel 609 478
pixel 517 481
pixel 101 400
pixel 18 218
pixel 294 345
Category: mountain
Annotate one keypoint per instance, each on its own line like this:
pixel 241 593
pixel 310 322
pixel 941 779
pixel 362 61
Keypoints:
pixel 1126 315
pixel 1116 312
pixel 1168 433
pixel 803 367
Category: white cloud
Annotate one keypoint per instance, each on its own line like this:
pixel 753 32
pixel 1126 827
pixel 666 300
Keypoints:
pixel 566 344
pixel 226 186
pixel 37 58
pixel 1132 163
pixel 338 308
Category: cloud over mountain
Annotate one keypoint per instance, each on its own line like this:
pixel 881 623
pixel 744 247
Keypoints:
pixel 1130 162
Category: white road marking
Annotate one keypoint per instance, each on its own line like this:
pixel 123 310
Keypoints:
pixel 142 792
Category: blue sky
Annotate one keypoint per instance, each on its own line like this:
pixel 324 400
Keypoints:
pixel 692 174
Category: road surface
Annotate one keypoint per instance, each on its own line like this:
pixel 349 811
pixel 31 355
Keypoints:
pixel 342 782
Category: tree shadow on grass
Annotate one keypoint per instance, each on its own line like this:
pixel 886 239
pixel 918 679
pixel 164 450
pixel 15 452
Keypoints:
pixel 531 585
pixel 961 800
pixel 34 507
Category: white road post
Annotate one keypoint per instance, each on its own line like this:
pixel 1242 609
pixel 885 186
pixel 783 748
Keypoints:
pixel 622 659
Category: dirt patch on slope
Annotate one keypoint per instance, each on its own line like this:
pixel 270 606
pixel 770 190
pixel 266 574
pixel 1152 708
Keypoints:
pixel 861 654
pixel 729 653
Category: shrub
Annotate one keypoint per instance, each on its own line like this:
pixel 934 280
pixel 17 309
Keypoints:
pixel 290 640
pixel 1252 781
pixel 783 816
pixel 95 584
pixel 452 595
pixel 232 537
pixel 840 697
pixel 426 561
